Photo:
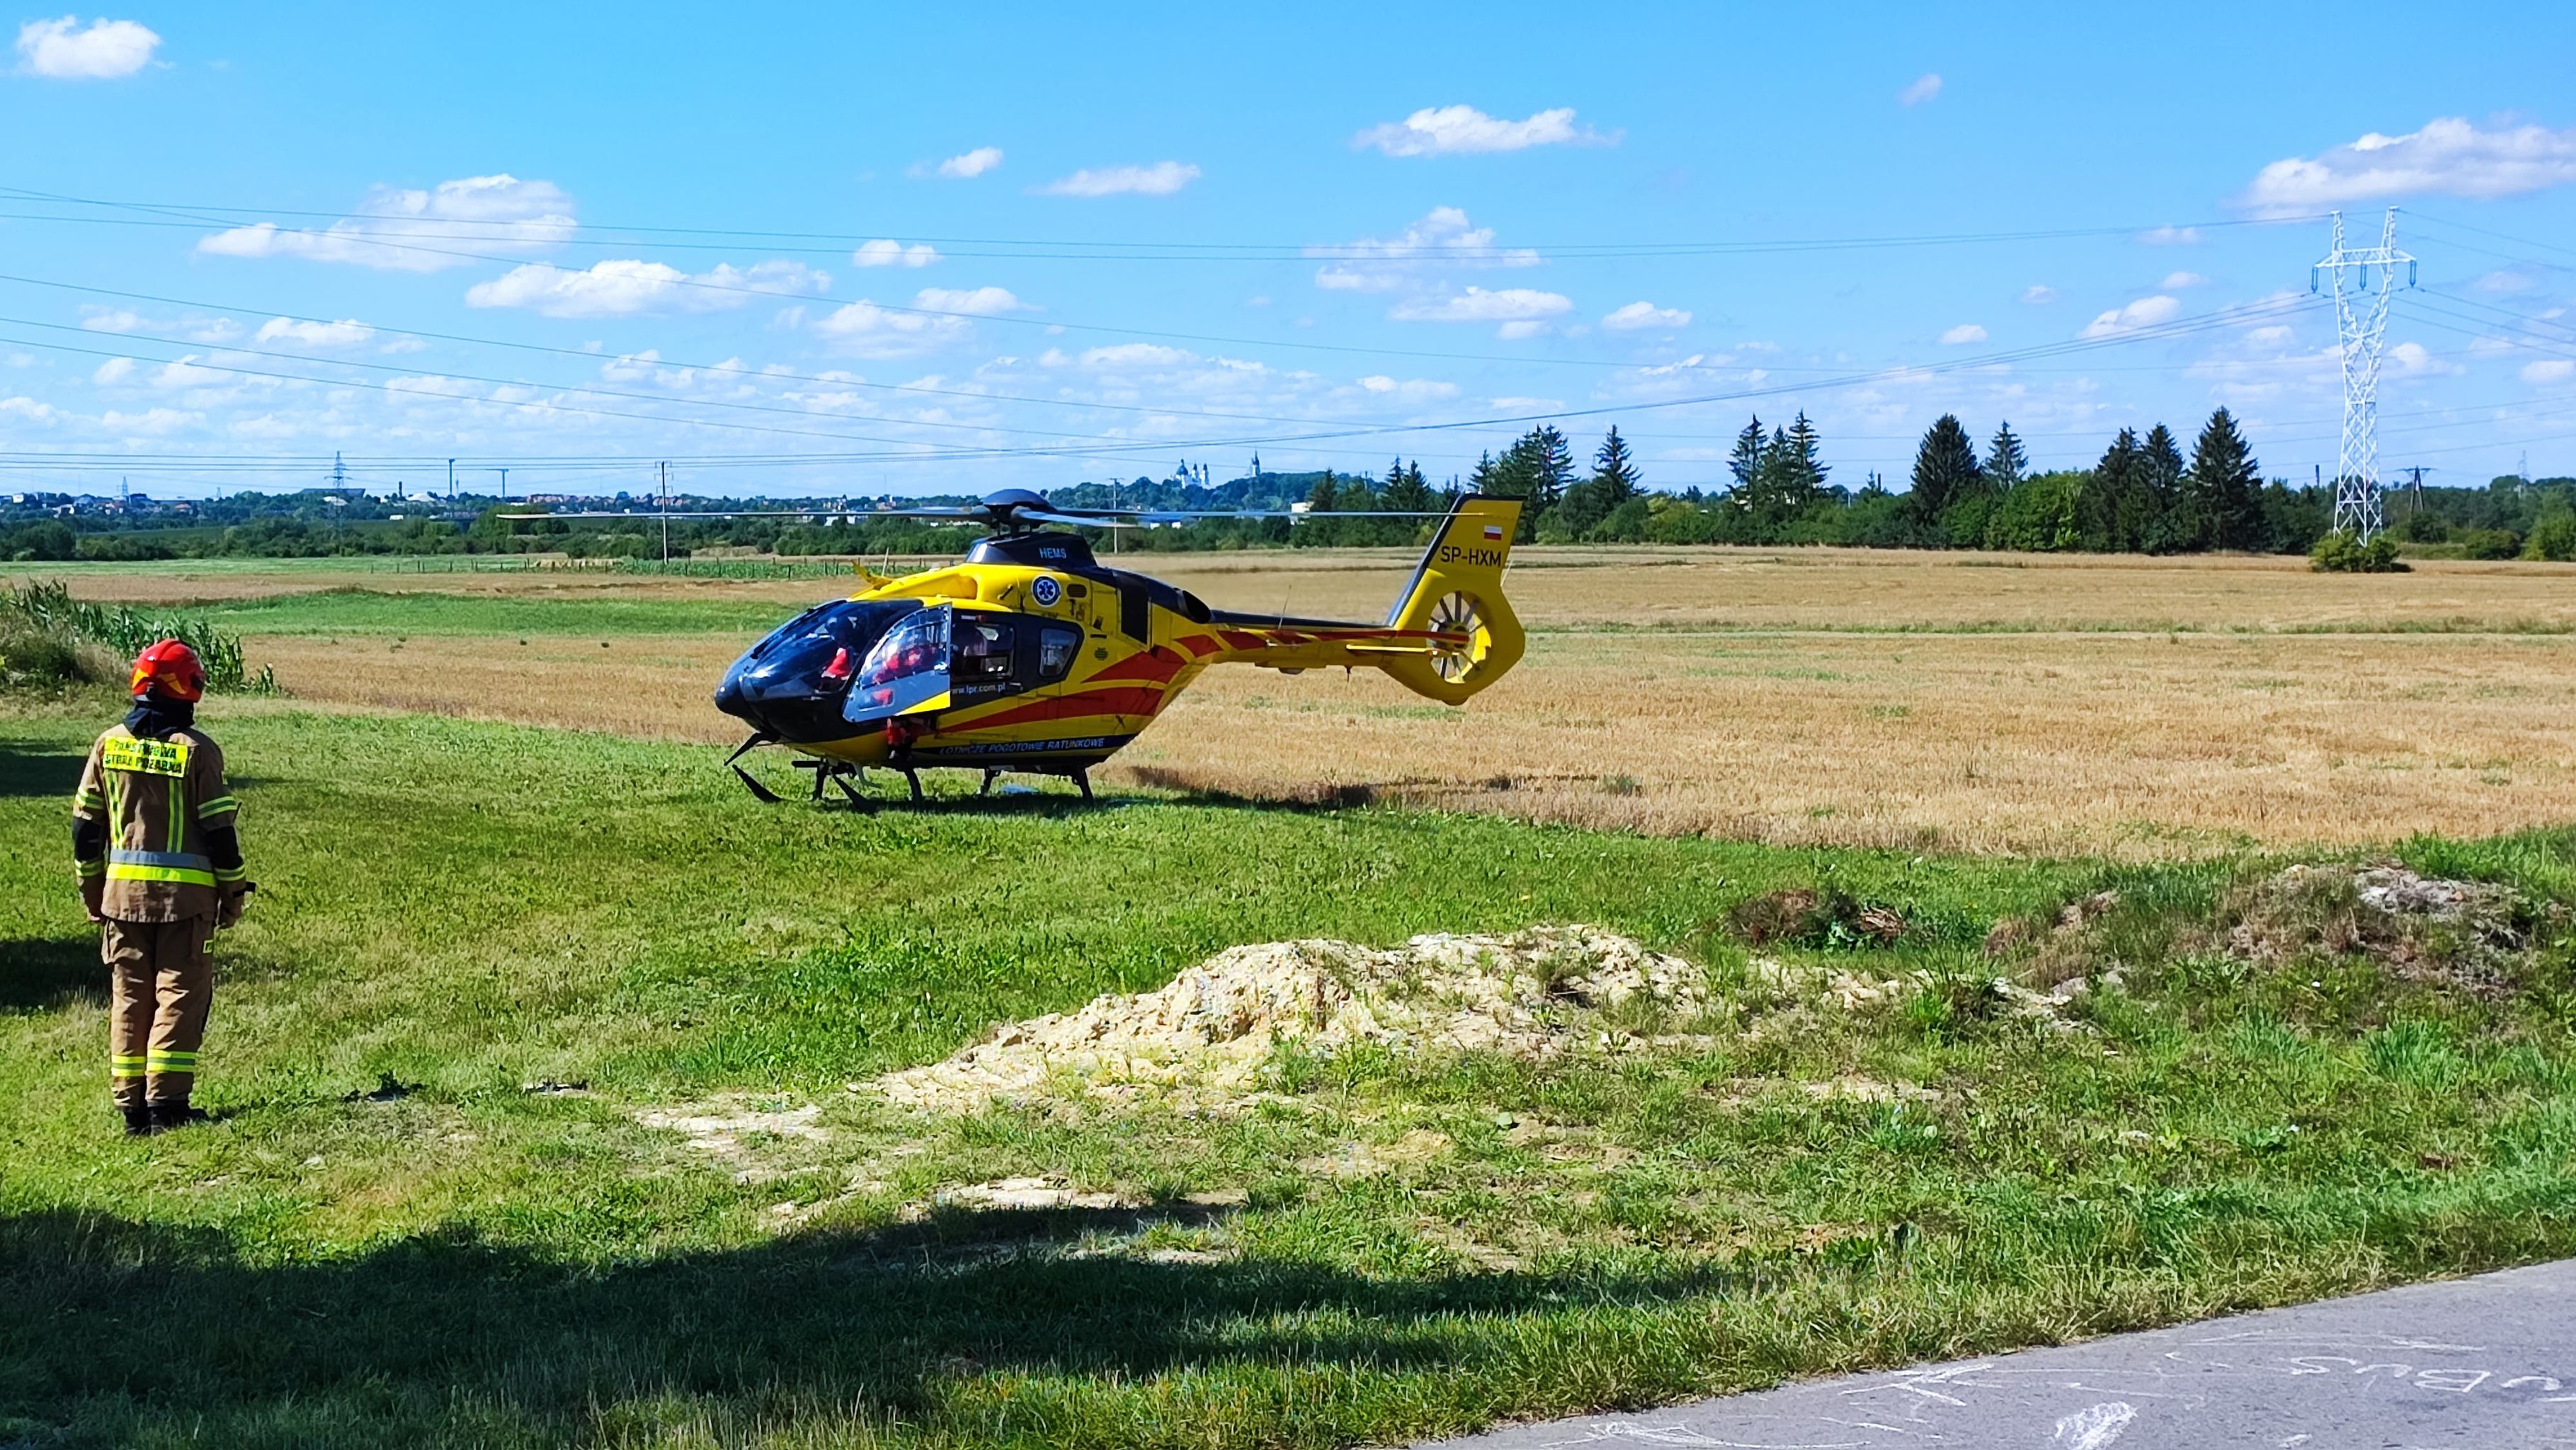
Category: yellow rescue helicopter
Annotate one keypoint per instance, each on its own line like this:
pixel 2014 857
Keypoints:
pixel 1033 656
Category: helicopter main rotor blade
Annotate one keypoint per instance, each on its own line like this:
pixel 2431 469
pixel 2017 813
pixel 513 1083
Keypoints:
pixel 1184 515
pixel 1034 516
pixel 829 511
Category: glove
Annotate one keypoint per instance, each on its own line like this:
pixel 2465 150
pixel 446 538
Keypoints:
pixel 228 906
pixel 94 898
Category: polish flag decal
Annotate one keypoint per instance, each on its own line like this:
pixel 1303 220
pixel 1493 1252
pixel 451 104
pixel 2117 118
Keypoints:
pixel 1493 533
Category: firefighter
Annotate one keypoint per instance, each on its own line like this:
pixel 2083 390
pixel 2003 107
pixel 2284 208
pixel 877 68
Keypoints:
pixel 160 869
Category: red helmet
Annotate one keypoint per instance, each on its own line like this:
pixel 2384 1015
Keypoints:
pixel 170 670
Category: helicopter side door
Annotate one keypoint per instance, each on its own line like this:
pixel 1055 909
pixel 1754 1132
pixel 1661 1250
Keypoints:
pixel 995 656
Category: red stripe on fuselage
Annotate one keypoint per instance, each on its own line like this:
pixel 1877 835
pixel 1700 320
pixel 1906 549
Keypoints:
pixel 1139 700
pixel 1154 664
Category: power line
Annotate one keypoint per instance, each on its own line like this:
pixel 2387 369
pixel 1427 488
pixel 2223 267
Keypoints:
pixel 2226 317
pixel 184 215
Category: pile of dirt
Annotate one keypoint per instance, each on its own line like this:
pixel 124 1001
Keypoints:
pixel 1536 994
pixel 2470 934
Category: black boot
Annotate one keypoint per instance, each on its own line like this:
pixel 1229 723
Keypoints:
pixel 166 1116
pixel 138 1122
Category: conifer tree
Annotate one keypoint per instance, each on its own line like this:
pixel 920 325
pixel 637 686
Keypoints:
pixel 1614 472
pixel 2226 485
pixel 1323 498
pixel 2105 512
pixel 1746 461
pixel 1945 470
pixel 1807 446
pixel 2172 525
pixel 1405 490
pixel 2006 463
pixel 1787 481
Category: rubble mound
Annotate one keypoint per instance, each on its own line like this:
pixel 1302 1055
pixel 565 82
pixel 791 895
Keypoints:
pixel 2470 934
pixel 1536 993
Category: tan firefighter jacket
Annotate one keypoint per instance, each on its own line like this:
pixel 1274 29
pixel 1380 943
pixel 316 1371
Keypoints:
pixel 157 798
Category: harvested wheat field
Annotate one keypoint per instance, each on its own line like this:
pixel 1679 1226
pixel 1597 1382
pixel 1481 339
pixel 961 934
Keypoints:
pixel 2139 708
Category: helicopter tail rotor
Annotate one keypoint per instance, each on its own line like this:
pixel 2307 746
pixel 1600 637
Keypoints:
pixel 1457 595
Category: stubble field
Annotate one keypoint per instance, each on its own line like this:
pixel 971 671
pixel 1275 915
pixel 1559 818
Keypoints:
pixel 2135 708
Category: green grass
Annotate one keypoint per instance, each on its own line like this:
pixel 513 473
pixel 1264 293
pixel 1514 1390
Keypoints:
pixel 388 1240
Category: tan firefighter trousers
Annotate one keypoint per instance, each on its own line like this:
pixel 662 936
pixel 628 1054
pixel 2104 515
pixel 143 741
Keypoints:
pixel 162 981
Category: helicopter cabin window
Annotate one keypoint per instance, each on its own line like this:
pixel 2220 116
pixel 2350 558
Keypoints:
pixel 1057 648
pixel 980 656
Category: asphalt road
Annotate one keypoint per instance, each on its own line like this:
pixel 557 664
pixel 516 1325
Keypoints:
pixel 2476 1364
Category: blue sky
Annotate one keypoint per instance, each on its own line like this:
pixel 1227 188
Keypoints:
pixel 854 249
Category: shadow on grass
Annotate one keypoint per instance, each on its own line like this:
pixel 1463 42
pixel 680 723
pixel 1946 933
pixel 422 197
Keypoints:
pixel 24 774
pixel 39 974
pixel 449 1339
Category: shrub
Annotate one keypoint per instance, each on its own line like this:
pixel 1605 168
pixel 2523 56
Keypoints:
pixel 2490 544
pixel 2553 538
pixel 2343 552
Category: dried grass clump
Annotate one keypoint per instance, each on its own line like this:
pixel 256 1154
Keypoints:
pixel 1830 917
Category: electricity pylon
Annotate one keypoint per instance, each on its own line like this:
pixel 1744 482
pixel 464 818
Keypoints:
pixel 2361 326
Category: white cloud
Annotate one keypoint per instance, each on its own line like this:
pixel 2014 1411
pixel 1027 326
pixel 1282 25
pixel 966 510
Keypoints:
pixel 30 410
pixel 1525 327
pixel 186 374
pixel 1965 332
pixel 101 319
pixel 114 370
pixel 104 51
pixel 2507 280
pixel 937 316
pixel 625 288
pixel 1464 131
pixel 155 422
pixel 1443 237
pixel 345 333
pixel 2449 157
pixel 1508 304
pixel 1160 179
pixel 1924 88
pixel 431 384
pixel 1136 354
pixel 420 231
pixel 2170 235
pixel 1409 390
pixel 2145 312
pixel 976 302
pixel 972 164
pixel 2038 293
pixel 2177 281
pixel 2412 360
pixel 885 253
pixel 2552 370
pixel 1645 314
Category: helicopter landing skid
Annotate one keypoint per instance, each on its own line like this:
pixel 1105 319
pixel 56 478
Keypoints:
pixel 848 777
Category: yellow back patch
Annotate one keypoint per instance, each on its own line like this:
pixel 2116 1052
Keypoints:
pixel 146 757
